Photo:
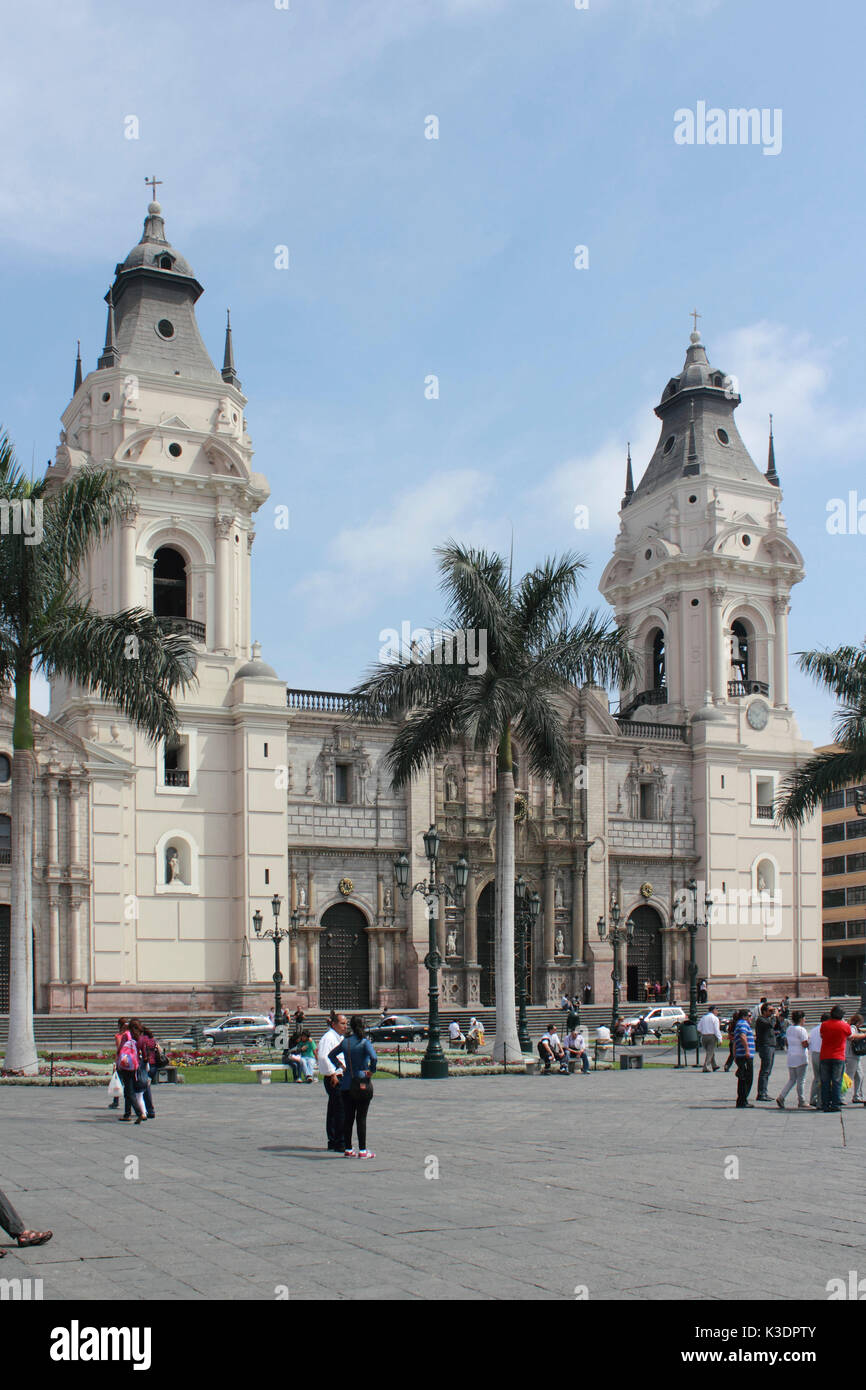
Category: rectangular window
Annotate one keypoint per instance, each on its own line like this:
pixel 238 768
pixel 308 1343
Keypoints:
pixel 342 782
pixel 856 863
pixel 836 866
pixel 176 762
pixel 857 895
pixel 834 931
pixel 833 897
pixel 723 783
pixel 647 801
pixel 266 750
pixel 831 833
pixel 854 829
pixel 852 793
pixel 267 875
pixel 856 928
pixel 833 801
pixel 764 791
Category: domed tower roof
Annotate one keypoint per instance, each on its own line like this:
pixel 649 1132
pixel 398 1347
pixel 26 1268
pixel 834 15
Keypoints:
pixel 151 316
pixel 699 436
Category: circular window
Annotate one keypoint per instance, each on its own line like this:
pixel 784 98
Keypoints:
pixel 693 498
pixel 669 443
pixel 647 554
pixel 723 437
pixel 106 395
pixel 165 328
pixel 5 768
pixel 175 450
pixel 747 540
pixel 695 602
pixel 235 418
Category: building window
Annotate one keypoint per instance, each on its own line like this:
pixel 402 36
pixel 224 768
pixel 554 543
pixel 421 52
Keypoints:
pixel 266 750
pixel 857 896
pixel 833 897
pixel 740 650
pixel 647 801
pixel 833 801
pixel 834 931
pixel 831 833
pixel 764 796
pixel 267 876
pixel 5 840
pixel 851 795
pixel 856 863
pixel 342 782
pixel 856 929
pixel 176 762
pixel 169 583
pixel 658 660
pixel 5 768
pixel 836 866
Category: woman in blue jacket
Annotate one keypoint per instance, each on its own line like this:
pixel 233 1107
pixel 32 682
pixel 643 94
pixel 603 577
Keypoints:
pixel 358 1060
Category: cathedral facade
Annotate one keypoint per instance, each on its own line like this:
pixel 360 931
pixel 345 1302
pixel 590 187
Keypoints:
pixel 150 861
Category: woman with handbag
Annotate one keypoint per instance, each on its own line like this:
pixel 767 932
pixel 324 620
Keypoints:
pixel 128 1062
pixel 854 1052
pixel 147 1063
pixel 359 1060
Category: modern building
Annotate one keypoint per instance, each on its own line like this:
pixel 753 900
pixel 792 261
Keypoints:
pixel 843 882
pixel 149 862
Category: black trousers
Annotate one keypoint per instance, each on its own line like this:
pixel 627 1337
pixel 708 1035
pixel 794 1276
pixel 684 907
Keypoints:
pixel 334 1122
pixel 131 1099
pixel 354 1113
pixel 745 1076
pixel 9 1218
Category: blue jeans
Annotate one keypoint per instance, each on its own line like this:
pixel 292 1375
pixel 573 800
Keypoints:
pixel 831 1084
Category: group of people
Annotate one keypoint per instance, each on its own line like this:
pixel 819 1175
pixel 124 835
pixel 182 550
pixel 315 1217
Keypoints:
pixel 572 1048
pixel 831 1050
pixel 137 1058
pixel 347 1060
pixel 473 1039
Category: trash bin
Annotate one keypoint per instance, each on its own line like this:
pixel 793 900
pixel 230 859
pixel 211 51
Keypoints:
pixel 629 1061
pixel 689 1037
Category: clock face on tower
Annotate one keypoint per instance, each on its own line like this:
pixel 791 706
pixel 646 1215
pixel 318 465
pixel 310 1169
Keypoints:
pixel 758 714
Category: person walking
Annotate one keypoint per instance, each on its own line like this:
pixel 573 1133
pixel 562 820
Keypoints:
pixel 12 1224
pixel 744 1052
pixel 765 1042
pixel 121 1029
pixel 702 991
pixel 732 1023
pixel 834 1037
pixel 815 1060
pixel 853 1059
pixel 711 1033
pixel 356 1089
pixel 127 1067
pixel 334 1113
pixel 798 1060
pixel 147 1051
pixel 587 993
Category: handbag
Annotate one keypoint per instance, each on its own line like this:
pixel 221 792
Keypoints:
pixel 360 1087
pixel 142 1077
pixel 858 1046
pixel 115 1086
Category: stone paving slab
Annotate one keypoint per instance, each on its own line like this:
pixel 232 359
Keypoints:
pixel 616 1182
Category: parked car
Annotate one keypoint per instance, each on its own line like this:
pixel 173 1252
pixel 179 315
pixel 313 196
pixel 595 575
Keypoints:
pixel 244 1030
pixel 664 1018
pixel 397 1028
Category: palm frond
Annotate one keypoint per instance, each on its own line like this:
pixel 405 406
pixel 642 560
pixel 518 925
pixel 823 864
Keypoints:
pixel 544 596
pixel 81 513
pixel 842 671
pixel 804 789
pixel 593 650
pixel 476 586
pixel 425 733
pixel 543 738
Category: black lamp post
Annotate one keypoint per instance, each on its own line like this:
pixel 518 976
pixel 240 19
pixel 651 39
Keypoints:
pixel 617 935
pixel 277 934
pixel 692 928
pixel 434 1063
pixel 528 906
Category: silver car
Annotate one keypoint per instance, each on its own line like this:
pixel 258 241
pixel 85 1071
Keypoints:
pixel 664 1018
pixel 244 1030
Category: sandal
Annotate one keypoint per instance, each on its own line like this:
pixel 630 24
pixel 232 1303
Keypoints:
pixel 34 1238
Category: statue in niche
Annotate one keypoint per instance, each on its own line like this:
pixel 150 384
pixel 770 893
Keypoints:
pixel 172 867
pixel 224 415
pixel 452 790
pixel 557 894
pixel 387 900
pixel 559 946
pixel 363 768
pixel 309 787
pixel 129 395
pixel 762 884
pixel 451 943
pixel 302 898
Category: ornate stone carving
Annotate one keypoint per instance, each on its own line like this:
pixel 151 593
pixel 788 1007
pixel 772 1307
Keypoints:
pixel 223 527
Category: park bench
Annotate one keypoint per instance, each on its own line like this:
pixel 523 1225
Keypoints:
pixel 166 1074
pixel 264 1070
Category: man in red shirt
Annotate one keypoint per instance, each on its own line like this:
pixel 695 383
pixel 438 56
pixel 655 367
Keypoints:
pixel 835 1033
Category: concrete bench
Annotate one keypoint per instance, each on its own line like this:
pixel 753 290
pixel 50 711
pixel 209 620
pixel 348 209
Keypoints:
pixel 264 1070
pixel 165 1074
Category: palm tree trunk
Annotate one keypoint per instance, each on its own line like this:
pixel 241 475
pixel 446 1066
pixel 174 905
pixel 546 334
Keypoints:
pixel 21 1047
pixel 507 1045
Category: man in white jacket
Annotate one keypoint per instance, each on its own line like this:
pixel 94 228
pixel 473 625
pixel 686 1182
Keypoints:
pixel 331 1077
pixel 711 1033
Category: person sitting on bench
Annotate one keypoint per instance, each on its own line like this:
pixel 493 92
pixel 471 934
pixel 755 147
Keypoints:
pixel 550 1049
pixel 575 1048
pixel 455 1037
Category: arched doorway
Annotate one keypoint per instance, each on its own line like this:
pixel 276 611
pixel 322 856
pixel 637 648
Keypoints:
pixel 344 959
pixel 644 953
pixel 486 919
pixel 169 584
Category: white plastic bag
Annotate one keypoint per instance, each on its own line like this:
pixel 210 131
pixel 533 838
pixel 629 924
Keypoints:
pixel 115 1086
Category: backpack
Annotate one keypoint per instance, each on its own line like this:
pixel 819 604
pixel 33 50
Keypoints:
pixel 127 1057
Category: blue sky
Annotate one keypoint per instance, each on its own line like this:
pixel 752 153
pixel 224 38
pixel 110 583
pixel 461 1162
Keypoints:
pixel 410 257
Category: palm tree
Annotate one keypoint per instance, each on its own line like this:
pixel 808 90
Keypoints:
pixel 842 672
pixel 47 624
pixel 535 653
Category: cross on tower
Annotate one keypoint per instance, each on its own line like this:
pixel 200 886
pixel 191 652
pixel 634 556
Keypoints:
pixel 153 181
pixel 695 315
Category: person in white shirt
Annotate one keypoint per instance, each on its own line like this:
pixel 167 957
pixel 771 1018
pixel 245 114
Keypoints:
pixel 575 1048
pixel 815 1059
pixel 711 1033
pixel 331 1077
pixel 798 1043
pixel 550 1049
pixel 457 1038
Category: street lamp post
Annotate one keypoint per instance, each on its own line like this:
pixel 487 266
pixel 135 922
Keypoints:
pixel 277 934
pixel 692 928
pixel 434 1063
pixel 616 935
pixel 528 907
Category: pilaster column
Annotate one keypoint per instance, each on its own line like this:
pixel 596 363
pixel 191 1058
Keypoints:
pixel 549 913
pixel 313 961
pixel 717 645
pixel 75 972
pixel 380 959
pixel 222 627
pixel 780 653
pixel 53 790
pixel 577 922
pixel 311 892
pixel 128 520
pixel 293 961
pixel 674 656
pixel 54 940
pixel 74 837
pixel 470 922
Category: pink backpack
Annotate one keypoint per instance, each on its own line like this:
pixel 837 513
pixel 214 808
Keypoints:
pixel 127 1057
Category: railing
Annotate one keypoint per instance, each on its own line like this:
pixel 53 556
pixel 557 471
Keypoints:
pixel 328 701
pixel 646 697
pixel 176 777
pixel 738 688
pixel 187 626
pixel 5 854
pixel 674 733
pixel 764 812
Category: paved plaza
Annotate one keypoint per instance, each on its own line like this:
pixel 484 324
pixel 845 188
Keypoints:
pixel 613 1182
